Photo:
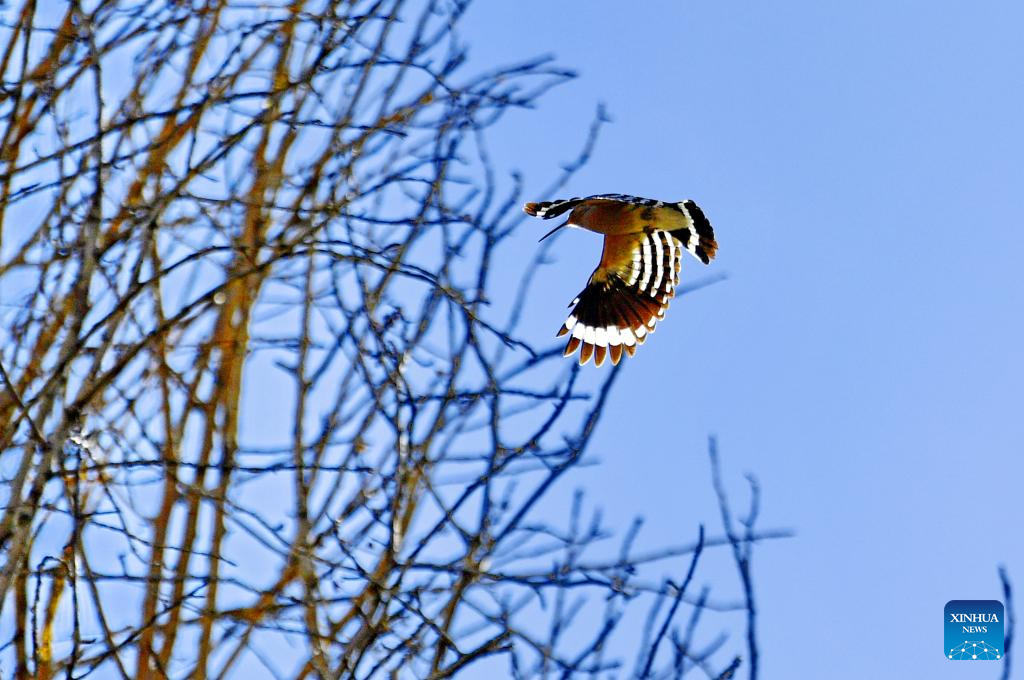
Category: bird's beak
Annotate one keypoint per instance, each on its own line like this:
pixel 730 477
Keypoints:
pixel 563 224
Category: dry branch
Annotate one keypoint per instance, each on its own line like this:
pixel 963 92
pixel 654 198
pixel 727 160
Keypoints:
pixel 257 414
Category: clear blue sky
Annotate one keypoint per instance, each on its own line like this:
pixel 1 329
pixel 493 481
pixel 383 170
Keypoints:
pixel 863 165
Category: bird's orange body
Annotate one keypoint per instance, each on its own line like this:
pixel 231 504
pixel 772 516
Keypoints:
pixel 639 269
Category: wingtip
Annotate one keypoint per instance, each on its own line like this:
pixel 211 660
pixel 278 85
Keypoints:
pixel 710 248
pixel 615 353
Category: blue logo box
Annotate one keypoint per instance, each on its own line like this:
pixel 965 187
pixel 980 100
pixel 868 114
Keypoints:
pixel 974 630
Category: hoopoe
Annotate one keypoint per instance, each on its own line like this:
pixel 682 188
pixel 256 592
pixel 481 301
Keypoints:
pixel 638 273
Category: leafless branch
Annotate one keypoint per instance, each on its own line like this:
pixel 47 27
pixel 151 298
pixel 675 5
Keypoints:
pixel 267 403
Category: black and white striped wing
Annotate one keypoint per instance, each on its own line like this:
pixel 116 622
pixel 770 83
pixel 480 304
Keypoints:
pixel 626 296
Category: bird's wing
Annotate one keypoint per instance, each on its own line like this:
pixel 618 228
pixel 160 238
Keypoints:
pixel 626 296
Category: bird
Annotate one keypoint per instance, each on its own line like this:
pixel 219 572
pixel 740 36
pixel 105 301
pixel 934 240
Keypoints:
pixel 630 290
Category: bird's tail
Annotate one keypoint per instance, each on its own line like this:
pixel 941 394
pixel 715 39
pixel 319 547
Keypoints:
pixel 548 209
pixel 697 236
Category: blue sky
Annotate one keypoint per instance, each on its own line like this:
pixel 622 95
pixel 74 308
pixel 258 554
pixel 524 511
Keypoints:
pixel 862 165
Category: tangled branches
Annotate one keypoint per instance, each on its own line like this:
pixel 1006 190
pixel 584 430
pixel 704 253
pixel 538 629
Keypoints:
pixel 256 413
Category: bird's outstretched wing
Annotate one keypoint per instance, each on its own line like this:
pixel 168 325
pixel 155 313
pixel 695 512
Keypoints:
pixel 626 296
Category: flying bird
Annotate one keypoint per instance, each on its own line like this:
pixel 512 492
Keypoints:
pixel 638 273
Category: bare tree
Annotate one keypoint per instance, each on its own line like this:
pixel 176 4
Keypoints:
pixel 256 412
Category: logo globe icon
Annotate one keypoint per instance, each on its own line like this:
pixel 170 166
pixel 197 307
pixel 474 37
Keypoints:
pixel 973 650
